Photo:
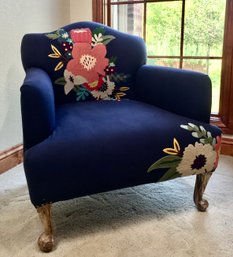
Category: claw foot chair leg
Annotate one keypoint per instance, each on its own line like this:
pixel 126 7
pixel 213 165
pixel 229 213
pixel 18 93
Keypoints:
pixel 201 182
pixel 45 240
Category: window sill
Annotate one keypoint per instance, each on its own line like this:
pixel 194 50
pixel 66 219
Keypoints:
pixel 227 137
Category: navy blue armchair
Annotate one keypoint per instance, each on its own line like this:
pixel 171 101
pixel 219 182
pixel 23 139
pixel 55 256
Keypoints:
pixel 97 118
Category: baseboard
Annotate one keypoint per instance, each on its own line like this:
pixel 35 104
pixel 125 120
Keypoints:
pixel 227 145
pixel 11 157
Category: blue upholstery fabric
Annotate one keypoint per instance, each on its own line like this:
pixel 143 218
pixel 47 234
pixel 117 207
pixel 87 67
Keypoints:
pixel 73 149
pixel 98 146
pixel 38 109
pixel 189 92
pixel 35 49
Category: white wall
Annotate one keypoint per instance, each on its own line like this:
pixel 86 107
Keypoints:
pixel 18 17
pixel 80 10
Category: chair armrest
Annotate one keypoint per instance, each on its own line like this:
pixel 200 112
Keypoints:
pixel 37 107
pixel 184 92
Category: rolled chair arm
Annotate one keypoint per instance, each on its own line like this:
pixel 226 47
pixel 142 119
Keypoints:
pixel 184 92
pixel 37 107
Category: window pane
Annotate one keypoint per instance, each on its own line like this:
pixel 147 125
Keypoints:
pixel 204 27
pixel 213 69
pixel 163 28
pixel 128 18
pixel 164 62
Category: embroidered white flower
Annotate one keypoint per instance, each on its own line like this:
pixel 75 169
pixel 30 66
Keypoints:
pixel 72 80
pixel 105 91
pixel 97 39
pixel 197 159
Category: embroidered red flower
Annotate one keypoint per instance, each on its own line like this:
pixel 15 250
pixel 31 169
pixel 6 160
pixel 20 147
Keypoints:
pixel 81 35
pixel 88 62
pixel 94 85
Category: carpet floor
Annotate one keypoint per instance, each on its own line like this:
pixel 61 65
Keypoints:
pixel 154 220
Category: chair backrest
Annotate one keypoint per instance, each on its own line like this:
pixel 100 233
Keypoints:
pixel 86 61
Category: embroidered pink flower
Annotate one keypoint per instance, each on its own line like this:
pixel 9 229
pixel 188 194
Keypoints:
pixel 217 149
pixel 81 35
pixel 88 62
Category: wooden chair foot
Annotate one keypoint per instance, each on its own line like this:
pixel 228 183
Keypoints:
pixel 46 240
pixel 201 183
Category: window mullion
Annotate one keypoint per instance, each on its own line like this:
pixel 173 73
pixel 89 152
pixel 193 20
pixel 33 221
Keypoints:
pixel 182 34
pixel 144 19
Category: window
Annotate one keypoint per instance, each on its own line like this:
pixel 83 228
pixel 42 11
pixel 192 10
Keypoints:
pixel 186 34
pixel 179 33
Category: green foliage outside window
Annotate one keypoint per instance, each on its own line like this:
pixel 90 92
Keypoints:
pixel 203 36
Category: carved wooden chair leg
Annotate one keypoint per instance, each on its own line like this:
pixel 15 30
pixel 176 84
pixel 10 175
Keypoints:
pixel 46 240
pixel 201 182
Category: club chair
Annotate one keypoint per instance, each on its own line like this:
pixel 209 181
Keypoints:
pixel 97 118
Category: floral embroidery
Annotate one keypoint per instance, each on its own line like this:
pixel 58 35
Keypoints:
pixel 97 39
pixel 88 62
pixel 105 91
pixel 202 157
pixel 88 71
pixel 197 159
pixel 72 80
pixel 81 35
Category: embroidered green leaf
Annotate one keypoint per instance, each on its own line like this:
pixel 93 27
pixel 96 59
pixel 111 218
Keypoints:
pixel 168 161
pixel 78 98
pixel 199 132
pixel 61 81
pixel 62 32
pixel 69 40
pixel 118 77
pixel 98 31
pixel 170 174
pixel 207 141
pixel 76 88
pixel 113 59
pixel 52 35
pixel 107 39
pixel 59 66
pixel 82 93
pixel 81 88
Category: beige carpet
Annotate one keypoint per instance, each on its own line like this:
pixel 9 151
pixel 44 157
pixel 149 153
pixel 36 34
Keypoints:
pixel 145 221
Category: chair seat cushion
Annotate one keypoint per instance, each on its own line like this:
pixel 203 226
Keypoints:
pixel 105 145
